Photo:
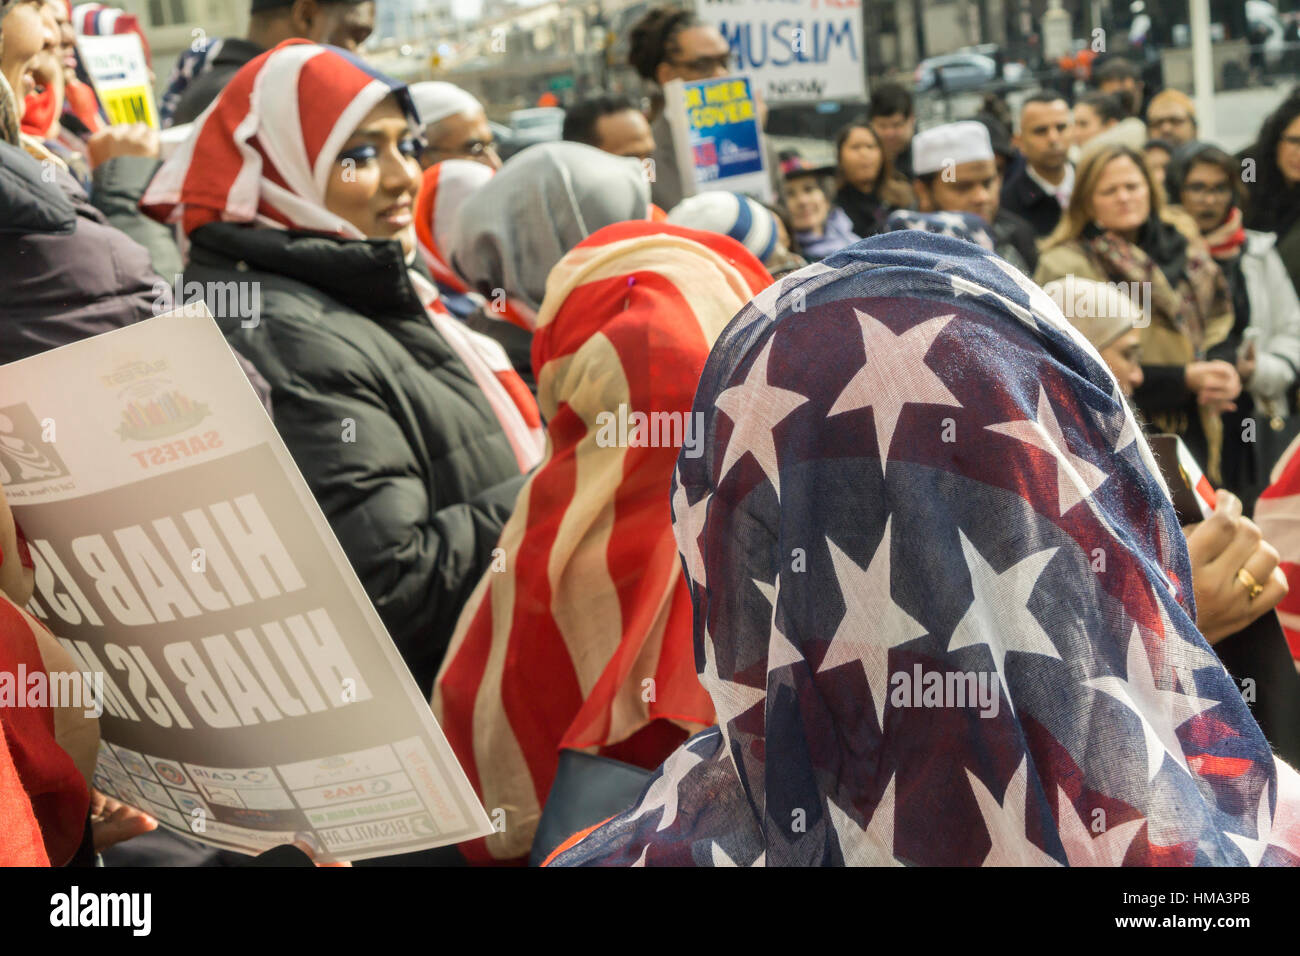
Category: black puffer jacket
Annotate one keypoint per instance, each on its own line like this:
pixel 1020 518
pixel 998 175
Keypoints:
pixel 395 438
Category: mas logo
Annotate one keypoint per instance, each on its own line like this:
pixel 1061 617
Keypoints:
pixel 25 455
pixel 153 406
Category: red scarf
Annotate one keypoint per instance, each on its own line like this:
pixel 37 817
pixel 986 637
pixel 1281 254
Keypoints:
pixel 1226 239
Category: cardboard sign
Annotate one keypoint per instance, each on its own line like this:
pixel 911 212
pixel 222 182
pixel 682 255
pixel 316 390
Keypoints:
pixel 120 74
pixel 717 138
pixel 250 692
pixel 797 51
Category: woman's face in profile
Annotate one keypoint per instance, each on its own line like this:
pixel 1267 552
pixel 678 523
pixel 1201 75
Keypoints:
pixel 376 177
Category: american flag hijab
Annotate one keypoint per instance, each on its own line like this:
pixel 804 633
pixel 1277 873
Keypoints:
pixel 555 650
pixel 443 190
pixel 263 154
pixel 920 483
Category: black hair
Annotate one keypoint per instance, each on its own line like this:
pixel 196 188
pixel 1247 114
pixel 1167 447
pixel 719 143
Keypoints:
pixel 1272 206
pixel 1115 68
pixel 890 99
pixel 1164 144
pixel 580 120
pixel 1189 155
pixel 653 38
pixel 1106 105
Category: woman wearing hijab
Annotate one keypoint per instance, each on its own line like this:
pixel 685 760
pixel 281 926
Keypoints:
pixel 557 649
pixel 443 190
pixel 869 189
pixel 511 233
pixel 411 430
pixel 1264 343
pixel 868 716
pixel 1117 229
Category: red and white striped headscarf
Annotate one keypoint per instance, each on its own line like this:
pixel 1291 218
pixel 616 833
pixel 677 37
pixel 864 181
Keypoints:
pixel 98 20
pixel 263 154
pixel 553 651
pixel 444 190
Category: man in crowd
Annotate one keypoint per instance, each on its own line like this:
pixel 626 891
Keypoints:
pixel 1039 191
pixel 455 125
pixel 956 172
pixel 894 121
pixel 611 123
pixel 341 23
pixel 1121 77
pixel 1172 117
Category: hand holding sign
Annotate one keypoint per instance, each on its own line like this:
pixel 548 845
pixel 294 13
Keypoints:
pixel 137 139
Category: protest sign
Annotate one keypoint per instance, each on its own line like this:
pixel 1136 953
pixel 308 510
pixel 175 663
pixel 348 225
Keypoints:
pixel 717 138
pixel 120 75
pixel 795 50
pixel 250 691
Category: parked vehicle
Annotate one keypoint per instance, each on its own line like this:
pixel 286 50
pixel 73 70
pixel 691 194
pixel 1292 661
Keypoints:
pixel 965 71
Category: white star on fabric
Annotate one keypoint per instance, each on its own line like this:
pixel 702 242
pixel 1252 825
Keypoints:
pixel 873 846
pixel 1160 712
pixel 1183 656
pixel 999 615
pixel 766 301
pixel 1006 822
pixel 1076 478
pixel 1081 847
pixel 720 857
pixel 755 408
pixel 951 219
pixel 894 375
pixel 780 652
pixel 730 699
pixel 663 793
pixel 1254 848
pixel 691 519
pixel 872 622
pixel 1039 301
pixel 640 861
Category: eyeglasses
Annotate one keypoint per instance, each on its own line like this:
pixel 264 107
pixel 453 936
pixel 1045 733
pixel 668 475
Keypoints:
pixel 1170 121
pixel 1201 190
pixel 707 65
pixel 474 149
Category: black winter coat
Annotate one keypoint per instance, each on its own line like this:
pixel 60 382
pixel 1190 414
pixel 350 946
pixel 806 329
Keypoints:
pixel 386 423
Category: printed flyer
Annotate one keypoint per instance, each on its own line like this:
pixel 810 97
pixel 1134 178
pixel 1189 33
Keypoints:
pixel 250 693
pixel 120 75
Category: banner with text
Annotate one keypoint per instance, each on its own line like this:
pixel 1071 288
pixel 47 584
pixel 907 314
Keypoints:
pixel 797 51
pixel 120 74
pixel 250 692
pixel 717 139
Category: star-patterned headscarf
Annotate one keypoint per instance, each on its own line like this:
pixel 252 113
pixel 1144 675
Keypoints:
pixel 941 599
pixel 958 225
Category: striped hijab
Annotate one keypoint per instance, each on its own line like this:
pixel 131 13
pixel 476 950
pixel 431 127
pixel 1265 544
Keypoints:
pixel 263 154
pixel 559 648
pixel 445 188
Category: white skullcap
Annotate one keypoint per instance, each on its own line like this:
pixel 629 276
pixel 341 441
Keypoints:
pixel 748 222
pixel 436 100
pixel 955 143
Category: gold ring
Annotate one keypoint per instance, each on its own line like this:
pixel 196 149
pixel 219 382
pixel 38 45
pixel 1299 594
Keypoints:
pixel 1253 588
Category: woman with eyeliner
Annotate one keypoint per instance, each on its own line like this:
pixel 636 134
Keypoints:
pixel 411 430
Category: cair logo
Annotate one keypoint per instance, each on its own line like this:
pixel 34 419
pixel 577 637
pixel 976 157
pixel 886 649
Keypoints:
pixel 25 455
pixel 154 407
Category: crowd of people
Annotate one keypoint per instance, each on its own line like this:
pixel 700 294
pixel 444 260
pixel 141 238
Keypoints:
pixel 915 387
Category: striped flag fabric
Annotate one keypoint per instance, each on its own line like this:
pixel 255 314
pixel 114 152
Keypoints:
pixel 933 574
pixel 580 636
pixel 1278 515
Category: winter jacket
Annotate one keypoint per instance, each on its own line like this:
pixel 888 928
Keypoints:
pixel 386 423
pixel 1026 199
pixel 1275 319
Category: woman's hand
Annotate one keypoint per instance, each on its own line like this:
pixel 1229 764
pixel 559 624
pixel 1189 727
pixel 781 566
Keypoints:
pixel 114 821
pixel 1216 383
pixel 1219 548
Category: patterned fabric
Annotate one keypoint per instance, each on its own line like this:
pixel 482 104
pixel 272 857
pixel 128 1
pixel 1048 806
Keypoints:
pixel 556 648
pixel 1278 515
pixel 191 63
pixel 264 153
pixel 942 602
pixel 445 188
pixel 958 225
pixel 98 20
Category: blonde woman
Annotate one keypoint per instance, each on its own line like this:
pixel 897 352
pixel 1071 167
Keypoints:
pixel 1118 229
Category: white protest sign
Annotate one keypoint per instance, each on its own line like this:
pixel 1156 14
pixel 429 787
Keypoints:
pixel 120 74
pixel 796 50
pixel 250 691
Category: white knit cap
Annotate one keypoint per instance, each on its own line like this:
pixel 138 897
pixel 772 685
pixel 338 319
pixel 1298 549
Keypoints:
pixel 951 143
pixel 748 222
pixel 436 100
